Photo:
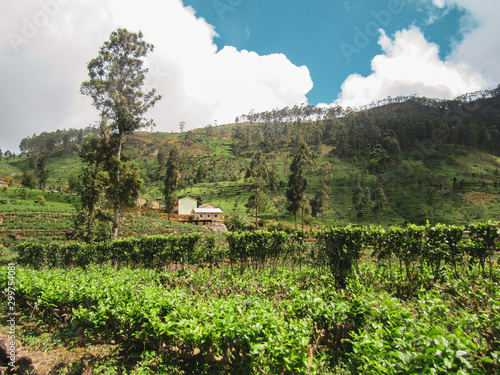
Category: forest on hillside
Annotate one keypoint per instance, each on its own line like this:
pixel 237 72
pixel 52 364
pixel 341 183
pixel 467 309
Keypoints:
pixel 396 124
pixel 440 152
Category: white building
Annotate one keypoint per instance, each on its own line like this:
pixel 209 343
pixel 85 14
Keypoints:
pixel 212 214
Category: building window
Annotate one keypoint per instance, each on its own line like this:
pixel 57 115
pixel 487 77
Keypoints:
pixel 201 216
pixel 208 216
pixel 216 216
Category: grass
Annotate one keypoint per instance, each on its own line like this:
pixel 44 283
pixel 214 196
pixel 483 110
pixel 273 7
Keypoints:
pixel 25 219
pixel 443 186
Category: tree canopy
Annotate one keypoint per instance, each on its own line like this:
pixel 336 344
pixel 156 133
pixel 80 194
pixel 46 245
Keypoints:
pixel 117 88
pixel 297 183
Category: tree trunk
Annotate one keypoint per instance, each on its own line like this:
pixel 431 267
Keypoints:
pixel 90 221
pixel 116 203
pixel 116 219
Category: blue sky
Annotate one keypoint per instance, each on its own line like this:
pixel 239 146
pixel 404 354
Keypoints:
pixel 215 60
pixel 311 33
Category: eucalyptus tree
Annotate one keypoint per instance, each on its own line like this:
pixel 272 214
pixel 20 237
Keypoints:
pixel 297 183
pixel 117 88
pixel 379 200
pixel 91 187
pixel 259 171
pixel 321 199
pixel 41 173
pixel 361 199
pixel 171 180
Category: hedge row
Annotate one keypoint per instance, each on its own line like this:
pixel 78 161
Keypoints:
pixel 338 248
pixel 148 252
pixel 411 247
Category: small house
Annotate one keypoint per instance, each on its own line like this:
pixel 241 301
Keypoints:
pixel 208 205
pixel 141 202
pixel 185 206
pixel 207 214
pixel 154 204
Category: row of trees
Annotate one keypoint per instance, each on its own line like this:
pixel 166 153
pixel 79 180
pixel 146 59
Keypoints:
pixel 39 177
pixel 264 178
pixel 364 201
pixel 393 125
pixel 47 141
pixel 7 154
pixel 307 112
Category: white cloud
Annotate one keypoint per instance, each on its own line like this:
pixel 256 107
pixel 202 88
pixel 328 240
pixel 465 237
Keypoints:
pixel 480 46
pixel 409 65
pixel 46 45
pixel 436 9
pixel 439 3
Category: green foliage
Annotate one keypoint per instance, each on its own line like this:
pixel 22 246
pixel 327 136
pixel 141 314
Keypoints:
pixel 297 182
pixel 41 173
pixel 342 249
pixel 116 86
pixel 92 228
pixel 117 79
pixel 442 245
pixel 271 320
pixel 235 223
pixel 483 242
pixel 361 200
pixel 171 178
pixel 40 200
pixel 397 347
pixel 379 201
pixel 149 252
pixel 259 248
pixel 28 180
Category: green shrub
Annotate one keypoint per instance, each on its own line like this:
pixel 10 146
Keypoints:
pixel 40 200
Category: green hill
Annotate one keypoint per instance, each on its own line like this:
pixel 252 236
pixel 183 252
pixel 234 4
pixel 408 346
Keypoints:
pixel 435 160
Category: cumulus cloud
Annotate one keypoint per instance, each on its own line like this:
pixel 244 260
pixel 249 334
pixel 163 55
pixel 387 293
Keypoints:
pixel 409 65
pixel 480 45
pixel 46 45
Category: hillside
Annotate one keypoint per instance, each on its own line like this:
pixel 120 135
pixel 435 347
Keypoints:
pixel 435 160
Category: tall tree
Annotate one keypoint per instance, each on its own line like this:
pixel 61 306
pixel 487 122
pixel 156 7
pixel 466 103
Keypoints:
pixel 28 180
pixel 321 199
pixel 273 179
pixel 258 166
pixel 259 171
pixel 297 183
pixel 162 161
pixel 391 145
pixel 361 199
pixel 379 201
pixel 116 86
pixel 91 187
pixel 41 173
pixel 171 179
